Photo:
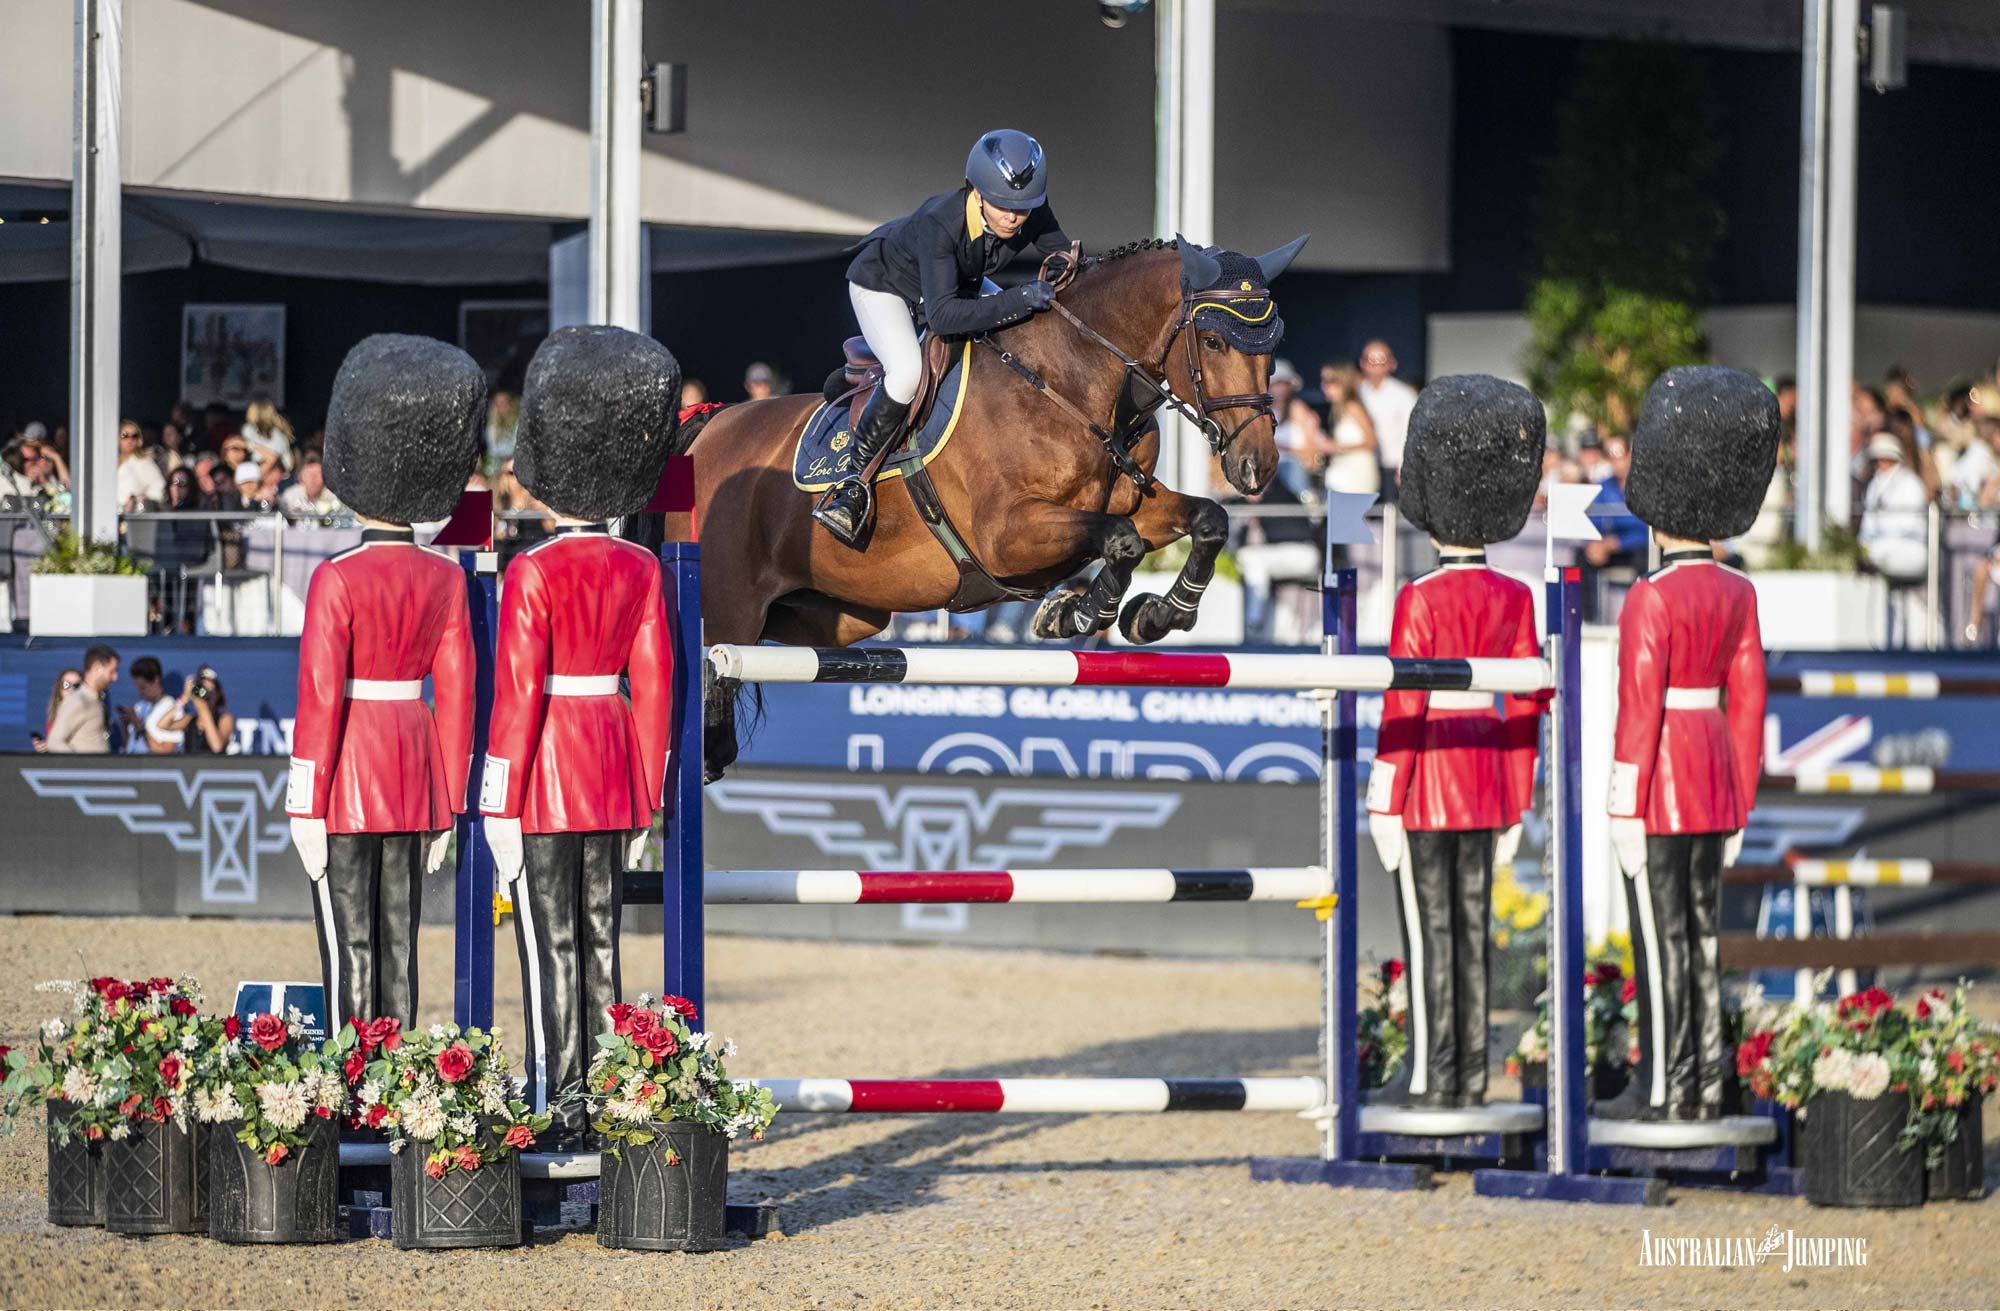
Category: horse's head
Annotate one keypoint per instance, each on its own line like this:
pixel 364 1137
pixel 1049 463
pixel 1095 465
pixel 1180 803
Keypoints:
pixel 1230 327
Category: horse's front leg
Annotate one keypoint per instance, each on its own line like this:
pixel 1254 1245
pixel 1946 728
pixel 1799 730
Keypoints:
pixel 1164 517
pixel 1041 534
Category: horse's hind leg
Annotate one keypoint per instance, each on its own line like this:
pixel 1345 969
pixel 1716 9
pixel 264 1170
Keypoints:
pixel 1162 518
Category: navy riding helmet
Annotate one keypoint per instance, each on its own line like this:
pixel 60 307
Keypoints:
pixel 1008 170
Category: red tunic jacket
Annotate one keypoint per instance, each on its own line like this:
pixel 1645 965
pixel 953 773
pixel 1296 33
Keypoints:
pixel 1690 736
pixel 566 753
pixel 368 756
pixel 1446 760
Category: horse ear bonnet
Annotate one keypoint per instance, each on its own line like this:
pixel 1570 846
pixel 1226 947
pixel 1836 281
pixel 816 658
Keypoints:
pixel 598 421
pixel 403 428
pixel 1251 324
pixel 1473 459
pixel 1703 452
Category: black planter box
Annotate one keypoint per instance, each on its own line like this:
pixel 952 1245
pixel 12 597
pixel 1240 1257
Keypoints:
pixel 156 1180
pixel 643 1202
pixel 1961 1176
pixel 76 1173
pixel 466 1208
pixel 294 1201
pixel 1853 1156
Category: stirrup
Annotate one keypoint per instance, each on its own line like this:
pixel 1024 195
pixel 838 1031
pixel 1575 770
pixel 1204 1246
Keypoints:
pixel 847 536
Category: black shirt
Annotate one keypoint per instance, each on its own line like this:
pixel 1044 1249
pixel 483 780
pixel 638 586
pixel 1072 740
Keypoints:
pixel 934 260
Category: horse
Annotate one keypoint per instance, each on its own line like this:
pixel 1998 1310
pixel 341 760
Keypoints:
pixel 1036 489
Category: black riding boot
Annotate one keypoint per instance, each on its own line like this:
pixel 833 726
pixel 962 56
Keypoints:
pixel 847 506
pixel 365 912
pixel 566 922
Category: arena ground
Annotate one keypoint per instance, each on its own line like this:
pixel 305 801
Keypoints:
pixel 965 1211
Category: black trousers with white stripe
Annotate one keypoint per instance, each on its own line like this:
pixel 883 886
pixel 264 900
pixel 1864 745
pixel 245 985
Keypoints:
pixel 566 912
pixel 1445 889
pixel 365 912
pixel 1675 910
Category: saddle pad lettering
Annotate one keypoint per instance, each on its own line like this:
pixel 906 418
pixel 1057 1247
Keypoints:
pixel 825 453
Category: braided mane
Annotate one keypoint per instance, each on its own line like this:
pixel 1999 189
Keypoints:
pixel 1138 247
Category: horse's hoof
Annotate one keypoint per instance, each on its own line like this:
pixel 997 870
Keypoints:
pixel 1058 617
pixel 1147 619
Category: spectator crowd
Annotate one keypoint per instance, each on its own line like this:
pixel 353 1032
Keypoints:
pixel 82 717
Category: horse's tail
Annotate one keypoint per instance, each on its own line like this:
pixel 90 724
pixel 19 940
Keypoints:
pixel 692 420
pixel 750 695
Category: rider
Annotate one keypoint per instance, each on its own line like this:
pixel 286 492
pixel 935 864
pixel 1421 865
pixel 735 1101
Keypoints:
pixel 927 270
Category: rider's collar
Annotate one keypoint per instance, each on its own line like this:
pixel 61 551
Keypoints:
pixel 575 528
pixel 1461 559
pixel 975 222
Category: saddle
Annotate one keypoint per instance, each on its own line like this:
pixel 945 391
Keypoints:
pixel 856 380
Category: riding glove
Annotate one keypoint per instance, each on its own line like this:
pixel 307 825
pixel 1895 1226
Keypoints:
pixel 1037 295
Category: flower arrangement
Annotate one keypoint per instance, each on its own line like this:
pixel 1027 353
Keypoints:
pixel 1382 1025
pixel 124 1056
pixel 268 1080
pixel 1936 1054
pixel 1610 1019
pixel 446 1089
pixel 652 1066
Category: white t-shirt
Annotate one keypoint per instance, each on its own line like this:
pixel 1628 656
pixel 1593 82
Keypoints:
pixel 1389 406
pixel 153 716
pixel 1969 472
pixel 139 476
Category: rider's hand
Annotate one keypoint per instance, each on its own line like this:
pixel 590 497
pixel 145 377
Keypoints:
pixel 1037 295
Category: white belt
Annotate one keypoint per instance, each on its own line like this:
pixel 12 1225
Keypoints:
pixel 581 685
pixel 1693 698
pixel 384 689
pixel 1460 701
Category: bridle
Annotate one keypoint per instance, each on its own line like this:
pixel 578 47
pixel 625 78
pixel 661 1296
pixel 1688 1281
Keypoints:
pixel 1203 409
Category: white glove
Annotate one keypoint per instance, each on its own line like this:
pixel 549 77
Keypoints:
pixel 503 839
pixel 434 853
pixel 309 837
pixel 1628 839
pixel 1505 845
pixel 635 847
pixel 1732 847
pixel 1390 843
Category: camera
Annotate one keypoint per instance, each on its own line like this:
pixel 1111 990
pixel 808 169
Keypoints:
pixel 1114 14
pixel 202 678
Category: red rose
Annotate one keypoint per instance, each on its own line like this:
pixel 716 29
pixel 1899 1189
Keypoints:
pixel 170 1068
pixel 1752 1052
pixel 162 1108
pixel 1394 969
pixel 4 1049
pixel 181 1006
pixel 1930 1100
pixel 375 1114
pixel 385 1032
pixel 268 1032
pixel 93 1132
pixel 129 1105
pixel 643 1022
pixel 1923 1008
pixel 100 983
pixel 684 1008
pixel 1956 1060
pixel 354 1066
pixel 520 1136
pixel 1628 991
pixel 1608 970
pixel 467 1158
pixel 1590 977
pixel 659 1043
pixel 322 1112
pixel 232 1028
pixel 114 989
pixel 277 1153
pixel 621 1017
pixel 454 1062
pixel 161 984
pixel 435 1169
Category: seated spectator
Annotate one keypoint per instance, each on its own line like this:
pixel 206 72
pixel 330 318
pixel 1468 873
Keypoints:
pixel 235 454
pixel 172 450
pixel 141 485
pixel 68 681
pixel 1274 549
pixel 181 546
pixel 81 725
pixel 146 731
pixel 1894 515
pixel 268 434
pixel 309 497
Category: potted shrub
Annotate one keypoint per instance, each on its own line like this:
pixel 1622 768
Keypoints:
pixel 658 1097
pixel 86 590
pixel 1958 1063
pixel 55 1075
pixel 1848 1071
pixel 277 1103
pixel 132 1092
pixel 445 1100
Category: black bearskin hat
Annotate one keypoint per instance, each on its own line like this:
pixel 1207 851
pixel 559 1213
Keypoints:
pixel 598 420
pixel 403 428
pixel 1703 452
pixel 1473 459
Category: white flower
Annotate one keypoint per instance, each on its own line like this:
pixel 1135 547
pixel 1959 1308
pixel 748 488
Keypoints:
pixel 284 1104
pixel 696 1042
pixel 1834 1071
pixel 370 1093
pixel 121 1131
pixel 1926 1070
pixel 728 1047
pixel 1871 1076
pixel 54 1030
pixel 107 1094
pixel 78 1086
pixel 396 1146
pixel 492 1096
pixel 190 1040
pixel 437 1033
pixel 423 1116
pixel 215 1108
pixel 464 1125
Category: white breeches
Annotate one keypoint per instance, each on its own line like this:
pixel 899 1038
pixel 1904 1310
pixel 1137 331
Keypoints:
pixel 892 334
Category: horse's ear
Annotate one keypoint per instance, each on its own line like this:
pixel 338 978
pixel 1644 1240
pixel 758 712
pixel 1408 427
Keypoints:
pixel 1199 269
pixel 1279 260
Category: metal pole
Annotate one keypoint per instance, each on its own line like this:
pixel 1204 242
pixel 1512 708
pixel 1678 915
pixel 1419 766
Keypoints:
pixel 683 863
pixel 95 274
pixel 617 65
pixel 1843 93
pixel 472 903
pixel 1184 193
pixel 1568 1077
pixel 1809 456
pixel 1338 848
pixel 1934 578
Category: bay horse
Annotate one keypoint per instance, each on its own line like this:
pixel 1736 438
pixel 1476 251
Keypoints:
pixel 1027 479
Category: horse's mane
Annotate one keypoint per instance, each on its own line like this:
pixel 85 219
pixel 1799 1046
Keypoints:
pixel 1143 246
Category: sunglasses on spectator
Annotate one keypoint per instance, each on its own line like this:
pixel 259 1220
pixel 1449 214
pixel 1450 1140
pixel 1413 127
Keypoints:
pixel 69 686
